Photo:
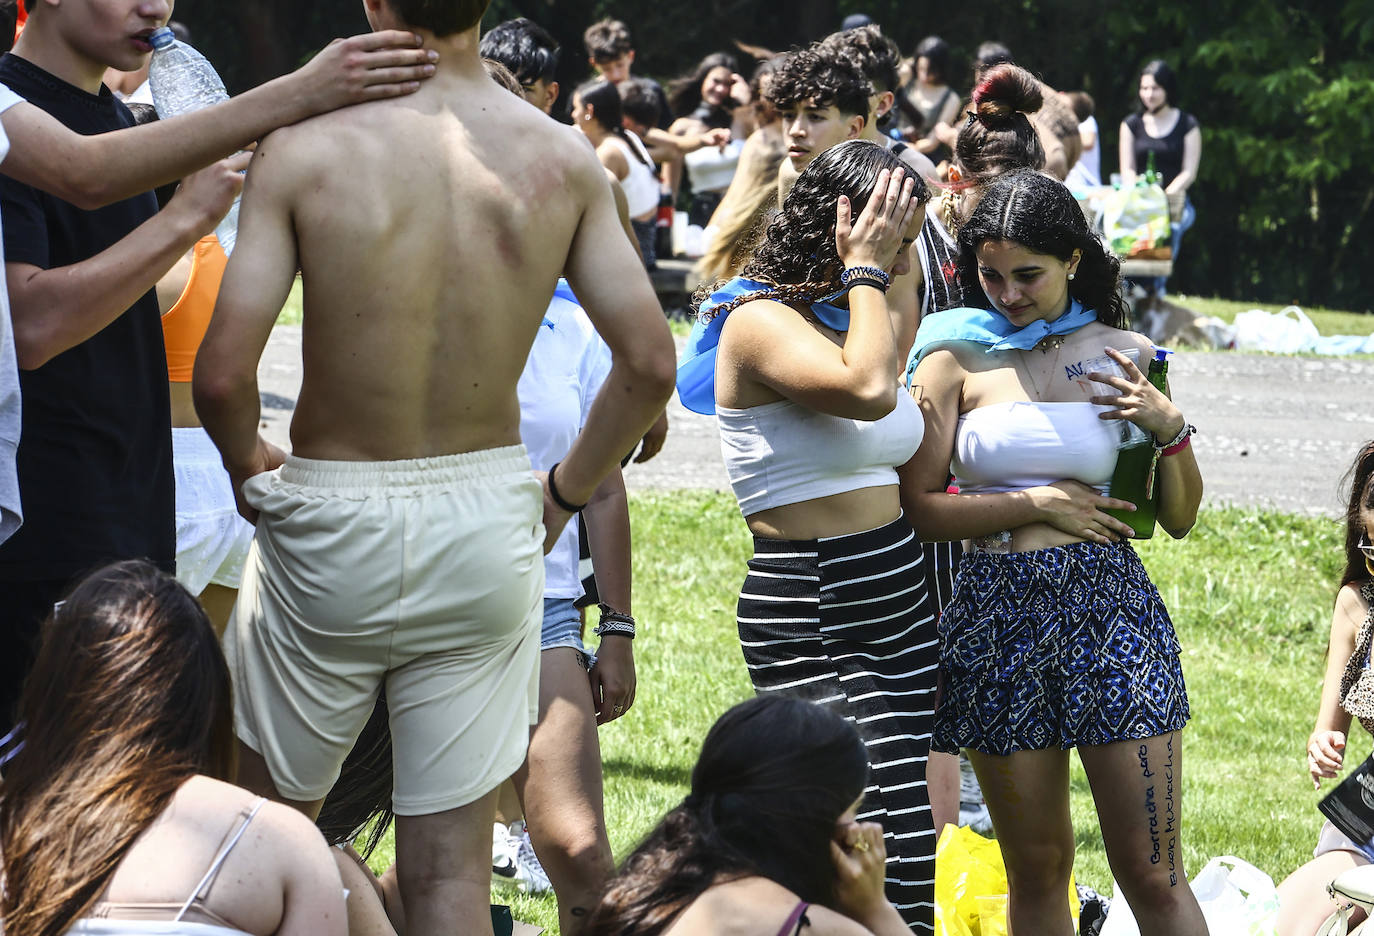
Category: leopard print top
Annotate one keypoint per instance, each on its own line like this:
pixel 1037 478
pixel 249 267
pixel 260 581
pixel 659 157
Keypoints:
pixel 1357 683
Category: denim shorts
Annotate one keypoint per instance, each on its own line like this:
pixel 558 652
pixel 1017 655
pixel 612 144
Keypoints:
pixel 563 628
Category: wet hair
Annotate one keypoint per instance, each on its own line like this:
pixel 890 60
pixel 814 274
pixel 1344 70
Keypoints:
pixel 1164 76
pixel 684 93
pixel 639 101
pixel 810 77
pixel 1082 104
pixel 607 40
pixel 871 52
pixel 774 776
pixel 998 137
pixel 605 103
pixel 1041 214
pixel 502 76
pixel 441 17
pixel 524 47
pixel 128 698
pixel 1361 480
pixel 936 53
pixel 798 255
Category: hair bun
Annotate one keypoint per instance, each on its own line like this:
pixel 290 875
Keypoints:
pixel 1004 91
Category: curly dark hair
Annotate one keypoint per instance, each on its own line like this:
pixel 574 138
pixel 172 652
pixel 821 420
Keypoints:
pixel 1040 214
pixel 798 256
pixel 871 52
pixel 815 77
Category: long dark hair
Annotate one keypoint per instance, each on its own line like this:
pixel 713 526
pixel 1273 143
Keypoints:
pixel 1164 76
pixel 798 255
pixel 128 698
pixel 605 102
pixel 1040 214
pixel 1360 476
pixel 774 775
pixel 360 802
pixel 684 94
pixel 998 137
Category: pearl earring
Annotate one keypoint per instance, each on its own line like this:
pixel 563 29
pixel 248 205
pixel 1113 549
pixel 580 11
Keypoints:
pixel 1070 276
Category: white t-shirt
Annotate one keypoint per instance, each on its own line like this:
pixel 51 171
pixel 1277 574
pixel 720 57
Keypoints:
pixel 1087 172
pixel 10 417
pixel 567 365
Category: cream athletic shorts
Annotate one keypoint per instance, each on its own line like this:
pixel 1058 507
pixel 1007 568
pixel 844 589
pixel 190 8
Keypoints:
pixel 426 576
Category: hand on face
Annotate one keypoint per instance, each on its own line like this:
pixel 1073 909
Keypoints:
pixel 876 237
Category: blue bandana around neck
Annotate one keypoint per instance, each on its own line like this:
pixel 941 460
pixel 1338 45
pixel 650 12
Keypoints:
pixel 696 374
pixel 991 329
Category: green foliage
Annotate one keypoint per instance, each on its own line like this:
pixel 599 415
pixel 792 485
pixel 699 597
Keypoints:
pixel 1283 92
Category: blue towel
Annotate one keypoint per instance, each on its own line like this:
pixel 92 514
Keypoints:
pixel 696 374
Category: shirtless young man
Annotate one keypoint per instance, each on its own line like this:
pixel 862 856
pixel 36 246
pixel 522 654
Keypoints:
pixel 401 543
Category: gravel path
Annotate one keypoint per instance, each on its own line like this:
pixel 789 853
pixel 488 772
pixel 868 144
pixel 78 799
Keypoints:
pixel 1273 431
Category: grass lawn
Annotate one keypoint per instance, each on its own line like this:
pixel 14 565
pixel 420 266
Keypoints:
pixel 1328 321
pixel 1250 595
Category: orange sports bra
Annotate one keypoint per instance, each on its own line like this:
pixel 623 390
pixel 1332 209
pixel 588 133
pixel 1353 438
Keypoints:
pixel 184 325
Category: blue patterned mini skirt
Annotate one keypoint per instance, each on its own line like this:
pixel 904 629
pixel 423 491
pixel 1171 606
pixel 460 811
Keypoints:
pixel 1055 648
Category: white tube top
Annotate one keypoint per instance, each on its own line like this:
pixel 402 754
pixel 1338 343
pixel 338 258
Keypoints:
pixel 784 453
pixel 1023 444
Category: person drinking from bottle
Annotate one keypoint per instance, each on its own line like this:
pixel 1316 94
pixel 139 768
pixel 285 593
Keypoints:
pixel 1055 638
pixel 1347 693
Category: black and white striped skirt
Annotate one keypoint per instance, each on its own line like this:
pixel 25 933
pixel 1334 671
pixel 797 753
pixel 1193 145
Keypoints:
pixel 847 621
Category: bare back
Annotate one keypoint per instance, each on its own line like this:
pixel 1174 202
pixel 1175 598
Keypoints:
pixel 430 232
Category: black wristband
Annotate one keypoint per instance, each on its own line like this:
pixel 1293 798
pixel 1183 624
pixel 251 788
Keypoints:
pixel 866 281
pixel 558 498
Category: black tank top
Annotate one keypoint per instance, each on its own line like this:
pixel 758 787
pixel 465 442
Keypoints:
pixel 1168 149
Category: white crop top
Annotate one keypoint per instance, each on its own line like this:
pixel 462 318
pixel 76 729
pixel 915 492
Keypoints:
pixel 640 184
pixel 785 453
pixel 1021 444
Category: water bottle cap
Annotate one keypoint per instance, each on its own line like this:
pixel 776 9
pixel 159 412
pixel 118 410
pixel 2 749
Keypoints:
pixel 162 38
pixel 1161 354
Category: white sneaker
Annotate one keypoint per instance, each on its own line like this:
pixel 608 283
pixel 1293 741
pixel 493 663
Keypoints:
pixel 973 812
pixel 505 855
pixel 522 870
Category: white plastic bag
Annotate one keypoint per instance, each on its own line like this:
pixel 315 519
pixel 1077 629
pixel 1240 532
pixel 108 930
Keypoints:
pixel 1237 899
pixel 1286 332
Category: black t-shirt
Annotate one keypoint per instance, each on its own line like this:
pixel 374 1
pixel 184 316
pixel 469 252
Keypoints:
pixel 1168 149
pixel 95 454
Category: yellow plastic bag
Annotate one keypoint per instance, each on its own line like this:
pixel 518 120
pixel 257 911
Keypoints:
pixel 969 867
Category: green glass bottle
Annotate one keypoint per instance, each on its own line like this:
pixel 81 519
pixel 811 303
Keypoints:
pixel 1136 458
pixel 1151 175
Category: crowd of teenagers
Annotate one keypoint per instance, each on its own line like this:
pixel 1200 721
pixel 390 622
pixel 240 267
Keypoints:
pixel 221 659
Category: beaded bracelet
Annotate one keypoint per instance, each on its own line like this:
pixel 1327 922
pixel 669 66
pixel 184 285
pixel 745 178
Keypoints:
pixel 614 622
pixel 1178 443
pixel 558 498
pixel 865 272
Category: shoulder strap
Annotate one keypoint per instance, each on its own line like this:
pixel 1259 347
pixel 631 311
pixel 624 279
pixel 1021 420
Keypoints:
pixel 795 919
pixel 209 879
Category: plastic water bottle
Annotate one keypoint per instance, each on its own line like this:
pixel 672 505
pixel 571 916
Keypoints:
pixel 182 81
